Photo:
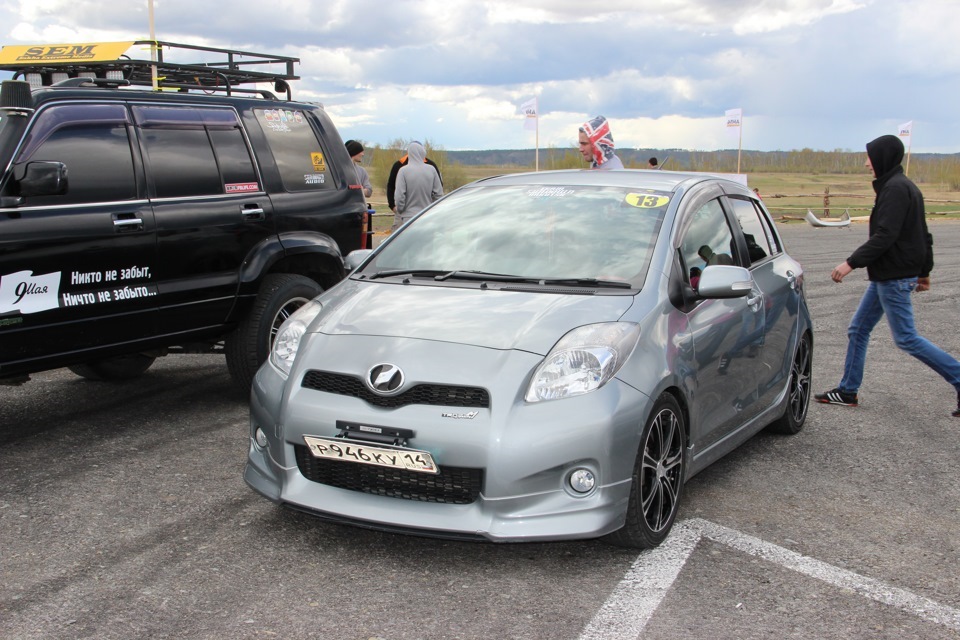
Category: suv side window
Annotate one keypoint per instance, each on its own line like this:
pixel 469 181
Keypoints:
pixel 754 230
pixel 75 133
pixel 296 150
pixel 195 152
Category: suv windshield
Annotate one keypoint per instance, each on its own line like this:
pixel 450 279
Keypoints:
pixel 576 233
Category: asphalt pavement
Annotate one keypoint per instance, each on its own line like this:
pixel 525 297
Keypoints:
pixel 123 514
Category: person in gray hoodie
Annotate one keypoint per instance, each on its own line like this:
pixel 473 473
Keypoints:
pixel 418 185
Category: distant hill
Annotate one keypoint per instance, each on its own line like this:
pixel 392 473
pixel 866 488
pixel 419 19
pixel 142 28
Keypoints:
pixel 677 158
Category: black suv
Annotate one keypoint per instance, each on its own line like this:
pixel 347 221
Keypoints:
pixel 134 223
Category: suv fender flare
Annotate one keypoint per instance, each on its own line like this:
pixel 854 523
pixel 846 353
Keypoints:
pixel 314 255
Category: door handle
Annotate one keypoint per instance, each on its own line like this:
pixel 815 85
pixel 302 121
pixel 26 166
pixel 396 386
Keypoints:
pixel 252 212
pixel 126 222
pixel 792 279
pixel 754 302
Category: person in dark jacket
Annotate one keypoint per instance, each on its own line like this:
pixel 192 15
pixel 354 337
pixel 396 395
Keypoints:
pixel 898 256
pixel 392 179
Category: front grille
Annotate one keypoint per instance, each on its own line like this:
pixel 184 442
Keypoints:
pixel 453 485
pixel 429 394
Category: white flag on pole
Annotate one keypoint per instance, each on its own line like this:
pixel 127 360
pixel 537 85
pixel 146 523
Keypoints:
pixel 733 120
pixel 529 110
pixel 905 131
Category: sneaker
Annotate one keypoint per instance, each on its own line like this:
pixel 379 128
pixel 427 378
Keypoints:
pixel 724 364
pixel 835 396
pixel 956 414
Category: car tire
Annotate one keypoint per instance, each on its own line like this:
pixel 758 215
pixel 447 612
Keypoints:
pixel 798 391
pixel 658 477
pixel 248 346
pixel 117 368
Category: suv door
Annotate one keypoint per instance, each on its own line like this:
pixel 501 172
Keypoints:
pixel 310 179
pixel 210 209
pixel 77 266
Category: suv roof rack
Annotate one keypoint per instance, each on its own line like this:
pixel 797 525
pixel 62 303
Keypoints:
pixel 50 65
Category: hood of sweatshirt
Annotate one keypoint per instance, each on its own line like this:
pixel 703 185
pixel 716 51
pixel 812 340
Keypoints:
pixel 417 153
pixel 886 154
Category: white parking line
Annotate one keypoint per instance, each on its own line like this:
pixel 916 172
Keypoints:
pixel 634 601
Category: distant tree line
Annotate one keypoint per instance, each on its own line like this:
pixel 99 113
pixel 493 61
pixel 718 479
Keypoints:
pixel 924 167
pixel 933 168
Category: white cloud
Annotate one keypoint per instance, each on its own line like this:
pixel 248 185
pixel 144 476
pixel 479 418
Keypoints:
pixel 455 70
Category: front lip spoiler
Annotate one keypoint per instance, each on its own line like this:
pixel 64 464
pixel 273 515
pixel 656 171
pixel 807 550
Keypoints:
pixel 389 528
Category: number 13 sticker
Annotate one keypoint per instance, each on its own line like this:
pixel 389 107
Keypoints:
pixel 647 200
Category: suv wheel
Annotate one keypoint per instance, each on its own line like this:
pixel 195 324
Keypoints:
pixel 118 368
pixel 249 345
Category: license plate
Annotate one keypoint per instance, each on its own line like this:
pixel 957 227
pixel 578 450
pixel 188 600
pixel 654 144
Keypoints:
pixel 382 456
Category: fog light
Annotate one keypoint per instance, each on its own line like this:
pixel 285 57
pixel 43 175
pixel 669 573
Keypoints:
pixel 260 437
pixel 582 480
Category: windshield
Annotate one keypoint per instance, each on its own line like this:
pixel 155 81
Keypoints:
pixel 537 232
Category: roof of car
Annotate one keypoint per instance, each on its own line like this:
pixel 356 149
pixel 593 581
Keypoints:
pixel 633 178
pixel 46 94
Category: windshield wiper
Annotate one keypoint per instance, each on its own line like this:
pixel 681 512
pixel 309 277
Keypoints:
pixel 426 273
pixel 502 277
pixel 587 282
pixel 480 275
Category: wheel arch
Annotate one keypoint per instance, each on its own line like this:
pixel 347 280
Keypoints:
pixel 314 255
pixel 682 402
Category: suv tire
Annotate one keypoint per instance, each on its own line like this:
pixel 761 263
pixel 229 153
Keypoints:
pixel 249 345
pixel 118 368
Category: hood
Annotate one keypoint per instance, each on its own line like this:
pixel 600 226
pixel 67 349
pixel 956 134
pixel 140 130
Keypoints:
pixel 486 318
pixel 416 152
pixel 885 153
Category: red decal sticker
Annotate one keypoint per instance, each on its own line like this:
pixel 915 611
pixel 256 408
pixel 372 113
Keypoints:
pixel 242 187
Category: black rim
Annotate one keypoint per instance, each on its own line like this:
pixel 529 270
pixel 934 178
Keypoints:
pixel 661 473
pixel 800 382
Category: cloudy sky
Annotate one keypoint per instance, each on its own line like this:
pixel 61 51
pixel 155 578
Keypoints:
pixel 819 74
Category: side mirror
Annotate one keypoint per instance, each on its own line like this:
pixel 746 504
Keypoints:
pixel 41 178
pixel 354 259
pixel 722 281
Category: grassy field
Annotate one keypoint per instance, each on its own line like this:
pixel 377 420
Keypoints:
pixel 786 195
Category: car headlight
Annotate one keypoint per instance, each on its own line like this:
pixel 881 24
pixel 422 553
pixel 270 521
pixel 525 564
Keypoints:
pixel 287 342
pixel 583 360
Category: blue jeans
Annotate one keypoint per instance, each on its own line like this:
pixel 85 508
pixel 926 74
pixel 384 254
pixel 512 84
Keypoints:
pixel 892 297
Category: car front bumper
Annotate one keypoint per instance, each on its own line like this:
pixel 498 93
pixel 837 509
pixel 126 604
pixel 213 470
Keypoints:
pixel 526 452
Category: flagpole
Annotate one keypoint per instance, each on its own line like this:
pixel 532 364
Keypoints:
pixel 906 171
pixel 153 47
pixel 536 154
pixel 740 141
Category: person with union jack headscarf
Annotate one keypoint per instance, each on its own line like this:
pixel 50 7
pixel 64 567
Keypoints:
pixel 596 144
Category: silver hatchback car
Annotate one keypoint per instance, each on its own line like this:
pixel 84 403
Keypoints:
pixel 540 356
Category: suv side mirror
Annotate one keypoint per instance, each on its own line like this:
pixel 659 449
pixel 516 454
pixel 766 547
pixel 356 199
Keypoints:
pixel 41 178
pixel 720 281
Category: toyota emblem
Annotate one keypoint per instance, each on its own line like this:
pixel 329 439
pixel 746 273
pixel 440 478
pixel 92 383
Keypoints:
pixel 385 379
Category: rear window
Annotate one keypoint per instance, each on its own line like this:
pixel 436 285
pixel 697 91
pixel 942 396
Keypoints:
pixel 296 149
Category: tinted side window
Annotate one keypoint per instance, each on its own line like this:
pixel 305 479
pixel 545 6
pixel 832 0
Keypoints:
pixel 181 163
pixel 73 135
pixel 233 158
pixel 296 150
pixel 708 241
pixel 195 152
pixel 754 231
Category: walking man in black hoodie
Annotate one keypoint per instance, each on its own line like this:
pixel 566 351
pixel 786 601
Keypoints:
pixel 898 256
